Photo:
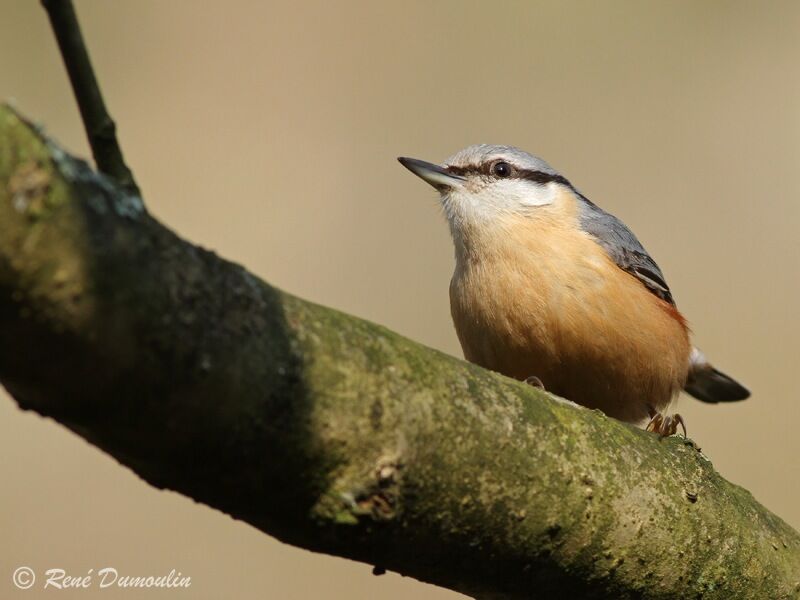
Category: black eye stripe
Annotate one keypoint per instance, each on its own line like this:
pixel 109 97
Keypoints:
pixel 469 170
pixel 517 173
pixel 542 177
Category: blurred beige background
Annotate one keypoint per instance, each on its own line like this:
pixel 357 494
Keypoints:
pixel 268 132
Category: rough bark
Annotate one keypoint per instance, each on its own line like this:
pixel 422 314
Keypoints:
pixel 335 434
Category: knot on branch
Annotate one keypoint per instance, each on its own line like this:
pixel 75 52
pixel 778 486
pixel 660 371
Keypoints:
pixel 376 499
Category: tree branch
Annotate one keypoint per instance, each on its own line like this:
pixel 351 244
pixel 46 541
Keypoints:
pixel 100 127
pixel 336 435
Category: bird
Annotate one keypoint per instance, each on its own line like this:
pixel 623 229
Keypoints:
pixel 551 289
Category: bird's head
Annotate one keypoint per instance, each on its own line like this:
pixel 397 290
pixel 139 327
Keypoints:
pixel 484 185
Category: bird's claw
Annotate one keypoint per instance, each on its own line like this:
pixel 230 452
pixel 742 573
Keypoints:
pixel 666 425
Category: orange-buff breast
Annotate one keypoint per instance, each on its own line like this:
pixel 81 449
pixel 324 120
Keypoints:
pixel 540 297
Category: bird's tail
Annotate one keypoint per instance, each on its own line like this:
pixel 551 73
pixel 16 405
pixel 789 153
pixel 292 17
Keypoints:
pixel 709 385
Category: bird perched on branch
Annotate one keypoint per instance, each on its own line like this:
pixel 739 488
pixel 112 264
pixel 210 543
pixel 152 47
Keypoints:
pixel 548 287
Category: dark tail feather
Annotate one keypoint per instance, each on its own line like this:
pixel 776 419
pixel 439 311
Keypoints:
pixel 709 385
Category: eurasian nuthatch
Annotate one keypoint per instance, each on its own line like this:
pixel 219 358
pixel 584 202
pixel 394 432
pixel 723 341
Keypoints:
pixel 547 284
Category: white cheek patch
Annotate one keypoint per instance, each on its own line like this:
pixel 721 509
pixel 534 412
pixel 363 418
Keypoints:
pixel 528 193
pixel 481 201
pixel 513 194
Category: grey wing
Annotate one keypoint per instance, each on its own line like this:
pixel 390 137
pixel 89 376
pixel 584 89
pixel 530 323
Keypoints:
pixel 623 247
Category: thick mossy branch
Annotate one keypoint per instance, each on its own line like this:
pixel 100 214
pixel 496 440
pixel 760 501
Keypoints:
pixel 334 434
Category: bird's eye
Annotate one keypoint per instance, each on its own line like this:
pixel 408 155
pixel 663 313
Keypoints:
pixel 501 169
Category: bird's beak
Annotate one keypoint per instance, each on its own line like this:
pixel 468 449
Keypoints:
pixel 437 176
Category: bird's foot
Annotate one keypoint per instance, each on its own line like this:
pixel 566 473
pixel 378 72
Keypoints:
pixel 665 425
pixel 534 381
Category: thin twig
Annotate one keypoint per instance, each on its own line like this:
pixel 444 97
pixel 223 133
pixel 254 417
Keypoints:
pixel 100 127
